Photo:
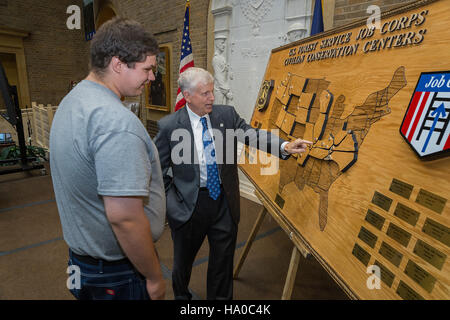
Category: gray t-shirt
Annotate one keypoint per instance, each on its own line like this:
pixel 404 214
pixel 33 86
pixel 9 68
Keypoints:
pixel 100 148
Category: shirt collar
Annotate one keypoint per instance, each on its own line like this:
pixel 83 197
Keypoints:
pixel 195 118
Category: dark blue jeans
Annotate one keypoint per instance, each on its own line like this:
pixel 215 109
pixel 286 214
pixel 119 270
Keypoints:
pixel 106 282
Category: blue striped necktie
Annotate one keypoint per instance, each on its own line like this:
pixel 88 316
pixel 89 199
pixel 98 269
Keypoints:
pixel 212 180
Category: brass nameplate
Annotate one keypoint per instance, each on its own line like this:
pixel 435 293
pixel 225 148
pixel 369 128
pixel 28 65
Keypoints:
pixel 430 254
pixel 258 125
pixel 361 254
pixel 406 293
pixel 279 201
pixel 264 95
pixel 382 201
pixel 368 237
pixel 437 231
pixel 431 201
pixel 406 214
pixel 401 188
pixel 386 276
pixel 392 255
pixel 398 234
pixel 419 275
pixel 375 219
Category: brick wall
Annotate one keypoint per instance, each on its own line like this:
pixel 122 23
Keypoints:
pixel 54 54
pixel 347 11
pixel 165 20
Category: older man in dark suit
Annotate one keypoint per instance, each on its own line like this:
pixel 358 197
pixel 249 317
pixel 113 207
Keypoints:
pixel 203 186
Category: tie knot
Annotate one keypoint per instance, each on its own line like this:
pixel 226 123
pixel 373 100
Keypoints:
pixel 204 123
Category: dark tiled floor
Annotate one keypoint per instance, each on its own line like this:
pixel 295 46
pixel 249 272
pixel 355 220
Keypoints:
pixel 33 254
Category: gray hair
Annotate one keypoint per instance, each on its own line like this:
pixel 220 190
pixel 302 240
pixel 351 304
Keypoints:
pixel 192 76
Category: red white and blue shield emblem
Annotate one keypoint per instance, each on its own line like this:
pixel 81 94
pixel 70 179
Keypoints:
pixel 426 123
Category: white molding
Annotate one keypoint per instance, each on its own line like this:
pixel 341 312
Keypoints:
pixel 246 188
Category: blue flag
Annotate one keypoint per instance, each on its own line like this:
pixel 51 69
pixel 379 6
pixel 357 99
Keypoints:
pixel 89 24
pixel 317 21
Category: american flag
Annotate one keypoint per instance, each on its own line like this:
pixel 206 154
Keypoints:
pixel 186 58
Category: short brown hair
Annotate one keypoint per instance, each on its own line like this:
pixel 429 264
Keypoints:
pixel 123 38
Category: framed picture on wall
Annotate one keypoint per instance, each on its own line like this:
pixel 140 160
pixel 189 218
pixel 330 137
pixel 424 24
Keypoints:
pixel 157 92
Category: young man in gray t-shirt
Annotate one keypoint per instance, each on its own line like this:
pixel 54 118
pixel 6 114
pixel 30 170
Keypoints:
pixel 106 171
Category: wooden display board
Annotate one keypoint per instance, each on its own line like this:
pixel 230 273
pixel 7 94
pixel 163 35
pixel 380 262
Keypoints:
pixel 370 198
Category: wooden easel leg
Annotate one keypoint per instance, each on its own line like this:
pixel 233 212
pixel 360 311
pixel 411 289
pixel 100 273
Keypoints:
pixel 292 272
pixel 249 243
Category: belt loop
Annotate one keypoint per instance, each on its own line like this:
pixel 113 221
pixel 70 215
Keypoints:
pixel 100 264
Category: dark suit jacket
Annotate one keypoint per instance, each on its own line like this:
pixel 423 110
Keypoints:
pixel 183 184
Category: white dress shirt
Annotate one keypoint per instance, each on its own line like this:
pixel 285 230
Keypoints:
pixel 197 129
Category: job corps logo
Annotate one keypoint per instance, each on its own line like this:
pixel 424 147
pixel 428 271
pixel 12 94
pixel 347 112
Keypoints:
pixel 426 123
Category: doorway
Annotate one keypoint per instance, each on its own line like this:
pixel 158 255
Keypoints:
pixel 8 61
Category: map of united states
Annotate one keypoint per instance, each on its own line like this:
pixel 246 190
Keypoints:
pixel 305 108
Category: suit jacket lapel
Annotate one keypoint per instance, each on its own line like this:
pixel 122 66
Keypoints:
pixel 185 122
pixel 216 124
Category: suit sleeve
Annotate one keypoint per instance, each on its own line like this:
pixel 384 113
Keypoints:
pixel 260 139
pixel 162 142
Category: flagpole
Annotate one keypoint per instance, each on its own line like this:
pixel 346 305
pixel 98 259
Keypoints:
pixel 186 57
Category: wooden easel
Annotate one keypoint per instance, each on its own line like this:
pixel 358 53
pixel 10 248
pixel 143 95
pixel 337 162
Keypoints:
pixel 295 256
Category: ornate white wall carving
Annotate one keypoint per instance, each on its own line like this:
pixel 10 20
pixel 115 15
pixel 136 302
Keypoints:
pixel 222 73
pixel 254 11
